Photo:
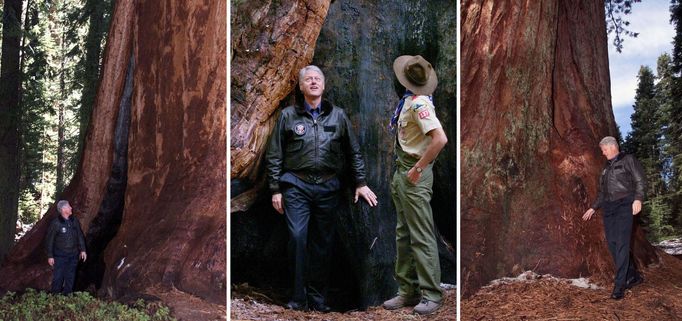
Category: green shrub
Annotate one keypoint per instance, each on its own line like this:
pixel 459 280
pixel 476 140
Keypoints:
pixel 79 306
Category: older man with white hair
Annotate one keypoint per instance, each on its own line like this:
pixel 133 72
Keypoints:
pixel 65 245
pixel 622 185
pixel 311 143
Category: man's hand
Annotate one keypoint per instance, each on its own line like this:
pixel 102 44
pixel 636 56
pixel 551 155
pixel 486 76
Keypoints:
pixel 50 261
pixel 277 203
pixel 636 207
pixel 367 194
pixel 83 256
pixel 413 176
pixel 588 215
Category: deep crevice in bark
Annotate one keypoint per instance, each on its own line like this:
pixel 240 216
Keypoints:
pixel 105 225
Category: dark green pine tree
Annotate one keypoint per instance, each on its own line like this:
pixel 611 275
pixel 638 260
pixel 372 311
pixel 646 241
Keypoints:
pixel 36 113
pixel 643 138
pixel 645 142
pixel 673 132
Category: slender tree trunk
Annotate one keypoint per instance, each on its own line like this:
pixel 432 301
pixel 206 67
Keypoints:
pixel 61 125
pixel 10 83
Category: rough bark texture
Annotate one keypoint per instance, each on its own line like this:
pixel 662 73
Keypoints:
pixel 172 227
pixel 271 42
pixel 355 49
pixel 173 231
pixel 10 90
pixel 26 265
pixel 535 103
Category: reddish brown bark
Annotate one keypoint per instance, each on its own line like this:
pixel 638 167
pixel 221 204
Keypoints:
pixel 536 74
pixel 26 265
pixel 270 44
pixel 173 230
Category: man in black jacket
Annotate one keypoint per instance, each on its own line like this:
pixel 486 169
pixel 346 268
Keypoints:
pixel 622 186
pixel 307 150
pixel 65 244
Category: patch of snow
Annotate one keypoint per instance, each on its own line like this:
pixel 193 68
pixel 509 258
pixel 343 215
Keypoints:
pixel 672 247
pixel 530 276
pixel 446 286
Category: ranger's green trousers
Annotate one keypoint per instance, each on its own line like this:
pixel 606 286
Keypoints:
pixel 417 267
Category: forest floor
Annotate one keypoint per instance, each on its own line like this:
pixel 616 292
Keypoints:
pixel 186 307
pixel 538 297
pixel 249 304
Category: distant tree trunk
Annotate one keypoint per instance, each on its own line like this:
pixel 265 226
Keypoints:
pixel 61 124
pixel 535 103
pixel 98 23
pixel 10 86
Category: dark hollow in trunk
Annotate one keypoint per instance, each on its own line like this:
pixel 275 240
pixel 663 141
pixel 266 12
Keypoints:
pixel 357 45
pixel 104 226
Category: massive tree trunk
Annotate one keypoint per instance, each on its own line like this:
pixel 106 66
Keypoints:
pixel 355 49
pixel 163 82
pixel 10 86
pixel 535 103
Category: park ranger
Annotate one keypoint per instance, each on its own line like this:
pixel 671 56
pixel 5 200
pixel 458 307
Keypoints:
pixel 420 137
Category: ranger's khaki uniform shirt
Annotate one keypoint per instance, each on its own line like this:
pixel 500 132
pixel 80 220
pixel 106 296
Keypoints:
pixel 417 118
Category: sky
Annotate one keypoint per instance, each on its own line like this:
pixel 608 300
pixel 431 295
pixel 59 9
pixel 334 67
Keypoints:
pixel 651 19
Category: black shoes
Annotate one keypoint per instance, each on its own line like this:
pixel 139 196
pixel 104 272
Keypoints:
pixel 319 307
pixel 618 293
pixel 633 282
pixel 293 305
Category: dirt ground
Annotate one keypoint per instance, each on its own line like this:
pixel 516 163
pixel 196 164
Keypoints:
pixel 659 298
pixel 186 307
pixel 249 304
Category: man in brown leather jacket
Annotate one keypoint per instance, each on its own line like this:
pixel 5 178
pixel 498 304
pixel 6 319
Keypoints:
pixel 622 186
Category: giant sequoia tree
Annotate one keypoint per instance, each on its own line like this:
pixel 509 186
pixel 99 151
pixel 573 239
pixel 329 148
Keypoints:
pixel 535 103
pixel 354 42
pixel 150 187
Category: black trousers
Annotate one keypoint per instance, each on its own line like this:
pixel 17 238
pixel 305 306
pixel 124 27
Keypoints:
pixel 310 213
pixel 618 220
pixel 64 273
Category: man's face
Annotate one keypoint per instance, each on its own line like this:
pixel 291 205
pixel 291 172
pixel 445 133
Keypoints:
pixel 609 151
pixel 312 85
pixel 66 211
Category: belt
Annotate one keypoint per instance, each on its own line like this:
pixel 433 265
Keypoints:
pixel 313 178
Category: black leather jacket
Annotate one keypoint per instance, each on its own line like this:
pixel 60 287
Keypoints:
pixel 315 148
pixel 65 236
pixel 622 176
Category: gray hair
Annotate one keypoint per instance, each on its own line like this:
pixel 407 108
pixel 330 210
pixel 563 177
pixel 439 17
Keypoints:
pixel 305 69
pixel 61 204
pixel 609 140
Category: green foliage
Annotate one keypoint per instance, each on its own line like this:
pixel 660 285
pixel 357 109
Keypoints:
pixel 79 306
pixel 56 46
pixel 659 218
pixel 615 10
pixel 674 129
pixel 650 143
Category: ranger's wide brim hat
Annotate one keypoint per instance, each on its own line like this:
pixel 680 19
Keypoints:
pixel 416 74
